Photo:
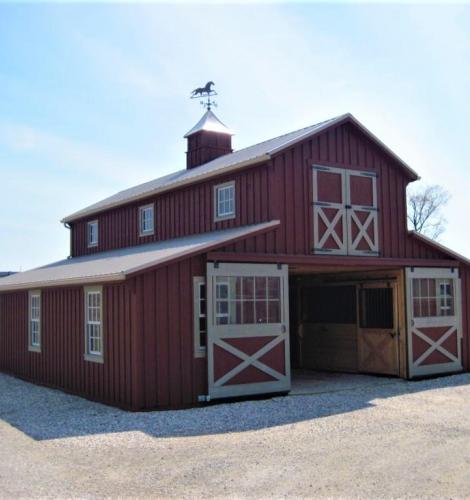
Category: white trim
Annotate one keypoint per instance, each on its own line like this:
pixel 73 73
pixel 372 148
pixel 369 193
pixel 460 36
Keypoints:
pixel 198 281
pixel 318 213
pixel 91 223
pixel 223 187
pixel 34 347
pixel 346 213
pixel 148 232
pixel 90 355
pixel 217 333
pixel 453 324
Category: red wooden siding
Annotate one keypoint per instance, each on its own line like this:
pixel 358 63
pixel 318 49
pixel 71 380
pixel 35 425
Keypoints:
pixel 280 189
pixel 167 373
pixel 61 360
pixel 178 213
pixel 465 277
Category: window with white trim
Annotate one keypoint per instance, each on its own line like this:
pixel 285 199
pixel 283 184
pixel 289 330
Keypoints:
pixel 146 220
pixel 92 232
pixel 200 316
pixel 224 201
pixel 35 320
pixel 245 300
pixel 432 297
pixel 93 324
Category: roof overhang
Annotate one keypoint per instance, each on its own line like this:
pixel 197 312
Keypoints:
pixel 118 265
pixel 169 187
pixel 260 158
pixel 441 248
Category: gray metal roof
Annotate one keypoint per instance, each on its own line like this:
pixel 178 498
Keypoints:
pixel 211 123
pixel 232 161
pixel 116 265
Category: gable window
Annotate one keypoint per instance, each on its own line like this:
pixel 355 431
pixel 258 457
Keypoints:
pixel 146 220
pixel 200 318
pixel 35 321
pixel 224 201
pixel 92 230
pixel 93 324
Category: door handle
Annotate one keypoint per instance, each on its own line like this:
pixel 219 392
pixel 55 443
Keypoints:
pixel 392 334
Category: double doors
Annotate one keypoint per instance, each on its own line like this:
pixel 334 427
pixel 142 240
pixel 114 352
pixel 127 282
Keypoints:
pixel 345 218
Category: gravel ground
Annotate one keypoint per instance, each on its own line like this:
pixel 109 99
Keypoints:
pixel 401 439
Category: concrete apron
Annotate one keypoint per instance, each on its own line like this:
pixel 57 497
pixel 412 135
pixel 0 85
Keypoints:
pixel 312 382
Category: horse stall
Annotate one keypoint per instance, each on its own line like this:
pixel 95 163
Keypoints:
pixel 351 322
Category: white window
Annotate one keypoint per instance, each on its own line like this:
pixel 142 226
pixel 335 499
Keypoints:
pixel 92 229
pixel 93 324
pixel 224 201
pixel 200 318
pixel 245 300
pixel 35 321
pixel 433 297
pixel 146 220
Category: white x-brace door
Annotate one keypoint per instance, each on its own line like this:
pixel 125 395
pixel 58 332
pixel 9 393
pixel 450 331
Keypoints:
pixel 248 329
pixel 345 211
pixel 434 321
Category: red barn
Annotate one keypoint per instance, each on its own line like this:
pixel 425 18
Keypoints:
pixel 220 279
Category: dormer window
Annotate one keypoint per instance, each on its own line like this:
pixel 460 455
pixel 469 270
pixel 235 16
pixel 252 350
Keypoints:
pixel 146 220
pixel 224 201
pixel 92 229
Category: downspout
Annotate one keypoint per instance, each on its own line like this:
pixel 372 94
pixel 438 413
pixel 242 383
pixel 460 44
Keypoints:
pixel 69 227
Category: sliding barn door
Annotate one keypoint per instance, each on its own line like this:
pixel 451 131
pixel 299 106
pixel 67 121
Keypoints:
pixel 329 210
pixel 345 212
pixel 434 321
pixel 248 329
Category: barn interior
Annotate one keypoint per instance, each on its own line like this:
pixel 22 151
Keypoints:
pixel 349 322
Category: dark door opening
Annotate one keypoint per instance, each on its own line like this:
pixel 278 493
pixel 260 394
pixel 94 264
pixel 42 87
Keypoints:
pixel 344 327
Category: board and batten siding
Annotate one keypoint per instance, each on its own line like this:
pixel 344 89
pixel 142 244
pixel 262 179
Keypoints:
pixel 178 213
pixel 61 361
pixel 168 375
pixel 291 195
pixel 279 189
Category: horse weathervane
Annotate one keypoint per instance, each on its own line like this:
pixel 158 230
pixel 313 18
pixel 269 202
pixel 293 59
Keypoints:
pixel 205 91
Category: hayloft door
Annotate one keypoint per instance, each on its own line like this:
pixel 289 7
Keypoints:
pixel 361 214
pixel 434 321
pixel 329 210
pixel 248 329
pixel 345 211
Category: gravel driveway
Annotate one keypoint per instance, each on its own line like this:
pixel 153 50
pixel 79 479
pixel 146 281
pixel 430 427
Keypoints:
pixel 401 439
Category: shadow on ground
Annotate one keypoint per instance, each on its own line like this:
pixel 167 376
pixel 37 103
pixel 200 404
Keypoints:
pixel 45 414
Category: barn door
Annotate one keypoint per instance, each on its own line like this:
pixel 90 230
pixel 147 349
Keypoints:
pixel 361 189
pixel 329 210
pixel 345 218
pixel 378 329
pixel 434 321
pixel 248 329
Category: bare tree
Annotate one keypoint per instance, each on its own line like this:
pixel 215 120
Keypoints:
pixel 425 205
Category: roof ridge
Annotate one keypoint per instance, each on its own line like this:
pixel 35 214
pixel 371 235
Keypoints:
pixel 228 154
pixel 283 135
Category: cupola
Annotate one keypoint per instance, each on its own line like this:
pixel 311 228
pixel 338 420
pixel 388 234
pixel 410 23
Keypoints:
pixel 208 139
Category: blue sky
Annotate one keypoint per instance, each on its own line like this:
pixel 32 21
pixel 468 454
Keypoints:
pixel 94 98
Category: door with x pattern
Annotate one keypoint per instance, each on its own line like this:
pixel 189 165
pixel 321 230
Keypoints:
pixel 345 211
pixel 248 329
pixel 434 321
